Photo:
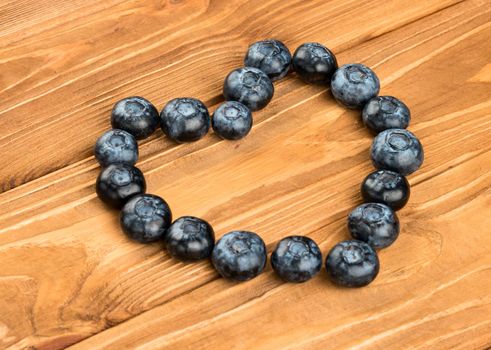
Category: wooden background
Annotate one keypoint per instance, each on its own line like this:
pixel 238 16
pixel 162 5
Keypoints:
pixel 69 278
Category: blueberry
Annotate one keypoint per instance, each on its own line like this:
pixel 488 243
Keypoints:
pixel 117 183
pixel 385 112
pixel 397 150
pixel 116 146
pixel 296 259
pixel 250 86
pixel 135 115
pixel 353 85
pixel 270 56
pixel 185 119
pixel 190 238
pixel 232 120
pixel 145 218
pixel 314 63
pixel 375 224
pixel 387 187
pixel 239 255
pixel 352 264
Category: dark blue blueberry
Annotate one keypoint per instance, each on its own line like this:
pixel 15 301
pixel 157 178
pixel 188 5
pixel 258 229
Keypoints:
pixel 116 146
pixel 135 115
pixel 185 119
pixel 190 238
pixel 270 56
pixel 352 264
pixel 250 86
pixel 145 218
pixel 296 259
pixel 232 120
pixel 397 150
pixel 375 224
pixel 385 112
pixel 117 183
pixel 314 63
pixel 387 187
pixel 353 85
pixel 239 255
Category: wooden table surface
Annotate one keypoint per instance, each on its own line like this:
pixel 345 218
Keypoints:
pixel 70 278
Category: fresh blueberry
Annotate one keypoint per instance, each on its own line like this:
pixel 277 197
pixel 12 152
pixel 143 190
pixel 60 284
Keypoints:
pixel 232 120
pixel 385 112
pixel 145 218
pixel 397 150
pixel 387 187
pixel 116 146
pixel 296 259
pixel 185 119
pixel 117 183
pixel 135 115
pixel 352 264
pixel 270 56
pixel 190 238
pixel 375 224
pixel 314 63
pixel 353 85
pixel 239 255
pixel 250 86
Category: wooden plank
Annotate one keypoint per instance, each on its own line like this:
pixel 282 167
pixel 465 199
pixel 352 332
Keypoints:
pixel 68 272
pixel 66 77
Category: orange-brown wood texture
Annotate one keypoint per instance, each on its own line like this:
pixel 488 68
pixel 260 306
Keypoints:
pixel 70 279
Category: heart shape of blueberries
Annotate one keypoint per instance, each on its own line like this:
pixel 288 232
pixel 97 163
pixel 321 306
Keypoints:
pixel 241 255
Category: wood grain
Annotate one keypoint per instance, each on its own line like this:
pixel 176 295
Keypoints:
pixel 70 278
